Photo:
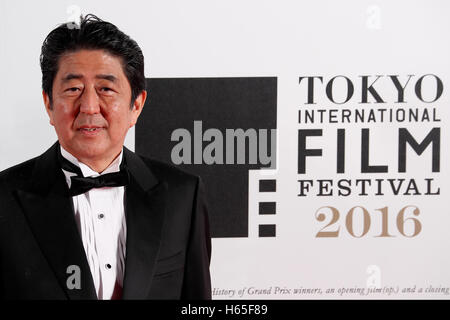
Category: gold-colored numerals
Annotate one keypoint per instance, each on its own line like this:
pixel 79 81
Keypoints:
pixel 332 228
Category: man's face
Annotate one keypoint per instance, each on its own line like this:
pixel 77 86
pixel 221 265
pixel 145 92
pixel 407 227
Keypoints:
pixel 91 105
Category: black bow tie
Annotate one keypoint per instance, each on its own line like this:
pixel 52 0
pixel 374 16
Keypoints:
pixel 80 184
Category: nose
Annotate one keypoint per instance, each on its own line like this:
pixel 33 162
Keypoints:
pixel 89 101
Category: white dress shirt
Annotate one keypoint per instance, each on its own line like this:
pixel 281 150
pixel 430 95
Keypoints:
pixel 100 217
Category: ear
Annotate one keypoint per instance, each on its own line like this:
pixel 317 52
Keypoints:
pixel 48 106
pixel 138 105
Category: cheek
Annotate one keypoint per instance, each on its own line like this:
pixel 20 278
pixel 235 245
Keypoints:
pixel 119 119
pixel 63 118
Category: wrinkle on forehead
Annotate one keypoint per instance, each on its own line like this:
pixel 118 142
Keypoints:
pixel 109 66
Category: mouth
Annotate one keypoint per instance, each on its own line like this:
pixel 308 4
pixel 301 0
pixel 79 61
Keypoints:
pixel 90 130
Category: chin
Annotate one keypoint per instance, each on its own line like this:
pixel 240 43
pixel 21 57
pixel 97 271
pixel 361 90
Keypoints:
pixel 87 151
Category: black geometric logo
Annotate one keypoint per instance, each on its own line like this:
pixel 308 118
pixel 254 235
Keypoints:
pixel 208 126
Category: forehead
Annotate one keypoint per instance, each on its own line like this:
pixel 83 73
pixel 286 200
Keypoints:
pixel 89 63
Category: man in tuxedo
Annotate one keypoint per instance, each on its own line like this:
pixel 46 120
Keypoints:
pixel 89 219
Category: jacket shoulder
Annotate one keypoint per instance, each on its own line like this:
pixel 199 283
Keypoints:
pixel 18 174
pixel 169 172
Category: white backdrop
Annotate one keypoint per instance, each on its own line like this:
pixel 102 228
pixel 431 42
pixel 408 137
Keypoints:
pixel 287 40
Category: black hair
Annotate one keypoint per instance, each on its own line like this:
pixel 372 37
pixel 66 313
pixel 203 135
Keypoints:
pixel 92 33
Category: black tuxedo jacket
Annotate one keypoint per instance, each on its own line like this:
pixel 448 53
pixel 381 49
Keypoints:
pixel 168 243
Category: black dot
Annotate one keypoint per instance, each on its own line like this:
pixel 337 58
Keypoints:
pixel 267 230
pixel 108 266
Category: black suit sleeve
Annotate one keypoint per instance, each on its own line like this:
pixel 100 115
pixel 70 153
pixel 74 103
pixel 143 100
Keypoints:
pixel 197 280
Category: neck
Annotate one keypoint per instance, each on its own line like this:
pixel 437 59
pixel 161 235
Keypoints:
pixel 96 164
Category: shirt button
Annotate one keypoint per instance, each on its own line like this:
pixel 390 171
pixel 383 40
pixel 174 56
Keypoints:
pixel 101 216
pixel 108 266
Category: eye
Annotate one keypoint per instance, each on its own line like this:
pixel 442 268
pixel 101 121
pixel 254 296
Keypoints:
pixel 106 89
pixel 73 89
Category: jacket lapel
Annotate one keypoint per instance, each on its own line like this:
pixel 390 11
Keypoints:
pixel 49 210
pixel 145 199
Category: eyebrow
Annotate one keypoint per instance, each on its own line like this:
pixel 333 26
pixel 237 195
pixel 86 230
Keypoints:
pixel 108 77
pixel 71 76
